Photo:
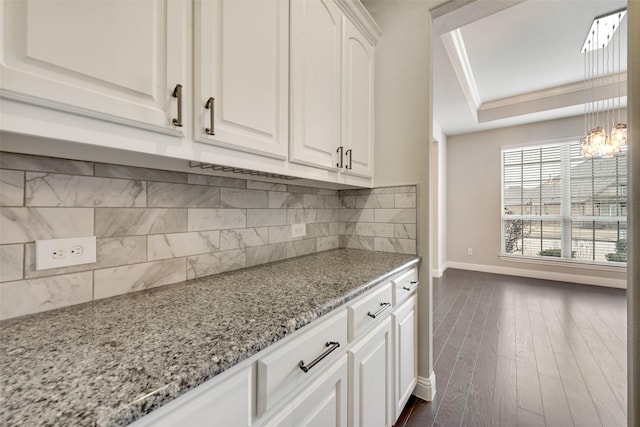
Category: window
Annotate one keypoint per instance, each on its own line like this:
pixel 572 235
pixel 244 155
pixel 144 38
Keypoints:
pixel 558 204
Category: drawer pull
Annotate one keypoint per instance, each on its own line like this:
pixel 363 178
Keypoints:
pixel 339 151
pixel 177 93
pixel 414 285
pixel 210 105
pixel 383 307
pixel 332 346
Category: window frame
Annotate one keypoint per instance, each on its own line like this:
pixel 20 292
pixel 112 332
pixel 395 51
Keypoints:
pixel 565 217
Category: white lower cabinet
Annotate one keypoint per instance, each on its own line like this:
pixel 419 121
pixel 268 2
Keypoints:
pixel 322 403
pixel 279 371
pixel 356 367
pixel 370 387
pixel 405 325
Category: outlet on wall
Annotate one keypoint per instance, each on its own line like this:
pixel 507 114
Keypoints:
pixel 57 253
pixel 469 251
pixel 298 230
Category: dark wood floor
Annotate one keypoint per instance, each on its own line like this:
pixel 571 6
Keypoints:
pixel 512 351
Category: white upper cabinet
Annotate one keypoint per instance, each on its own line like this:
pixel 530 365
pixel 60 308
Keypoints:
pixel 316 36
pixel 118 61
pixel 357 104
pixel 241 61
pixel 332 86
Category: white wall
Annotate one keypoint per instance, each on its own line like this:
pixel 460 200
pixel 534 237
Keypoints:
pixel 403 133
pixel 438 177
pixel 473 203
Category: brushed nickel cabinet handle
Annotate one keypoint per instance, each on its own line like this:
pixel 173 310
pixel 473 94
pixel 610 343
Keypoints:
pixel 177 93
pixel 332 346
pixel 349 154
pixel 210 105
pixel 383 307
pixel 339 151
pixel 410 288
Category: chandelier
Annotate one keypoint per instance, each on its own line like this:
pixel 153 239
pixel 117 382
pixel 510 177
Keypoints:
pixel 605 134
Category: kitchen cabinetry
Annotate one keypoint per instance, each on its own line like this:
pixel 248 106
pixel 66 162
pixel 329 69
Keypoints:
pixel 316 37
pixel 115 61
pixel 370 381
pixel 323 403
pixel 332 64
pixel 276 86
pixel 357 103
pixel 405 338
pixel 279 372
pixel 355 366
pixel 241 61
pixel 405 326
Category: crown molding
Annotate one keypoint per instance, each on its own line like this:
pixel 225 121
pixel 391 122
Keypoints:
pixel 457 53
pixel 583 86
pixel 570 95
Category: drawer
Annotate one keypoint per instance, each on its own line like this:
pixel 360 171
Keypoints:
pixel 405 285
pixel 227 399
pixel 367 311
pixel 280 373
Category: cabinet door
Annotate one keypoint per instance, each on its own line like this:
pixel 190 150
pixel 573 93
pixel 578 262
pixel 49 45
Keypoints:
pixel 241 61
pixel 358 112
pixel 323 403
pixel 406 353
pixel 315 82
pixel 113 60
pixel 370 381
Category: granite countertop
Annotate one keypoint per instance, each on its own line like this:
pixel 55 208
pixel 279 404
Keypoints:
pixel 109 362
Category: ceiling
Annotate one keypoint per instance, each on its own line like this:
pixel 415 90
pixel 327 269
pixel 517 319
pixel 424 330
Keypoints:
pixel 508 62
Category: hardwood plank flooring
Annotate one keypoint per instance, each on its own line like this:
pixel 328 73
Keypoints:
pixel 512 351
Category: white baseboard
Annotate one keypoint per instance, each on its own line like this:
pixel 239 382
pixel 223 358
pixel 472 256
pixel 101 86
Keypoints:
pixel 426 388
pixel 438 272
pixel 545 275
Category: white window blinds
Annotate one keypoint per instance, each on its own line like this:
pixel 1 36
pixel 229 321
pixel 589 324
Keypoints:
pixel 557 203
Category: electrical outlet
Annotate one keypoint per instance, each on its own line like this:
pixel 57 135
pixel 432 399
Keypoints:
pixel 469 251
pixel 298 230
pixel 58 253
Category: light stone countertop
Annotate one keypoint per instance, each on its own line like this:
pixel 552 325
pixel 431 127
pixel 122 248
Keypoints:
pixel 91 364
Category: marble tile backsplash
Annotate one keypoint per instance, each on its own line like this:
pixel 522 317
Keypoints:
pixel 156 227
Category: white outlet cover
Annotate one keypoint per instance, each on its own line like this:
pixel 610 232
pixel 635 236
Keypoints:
pixel 45 249
pixel 298 230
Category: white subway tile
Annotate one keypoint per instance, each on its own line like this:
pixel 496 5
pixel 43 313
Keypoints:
pixel 44 164
pixel 11 188
pixel 33 296
pixel 401 246
pixel 397 216
pixel 145 174
pixel 266 217
pixel 405 200
pixel 11 261
pixel 46 189
pixel 243 237
pixel 21 225
pixel 163 246
pixel 214 263
pixel 137 277
pixel 168 195
pixel 240 198
pixel 129 221
pixel 216 219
